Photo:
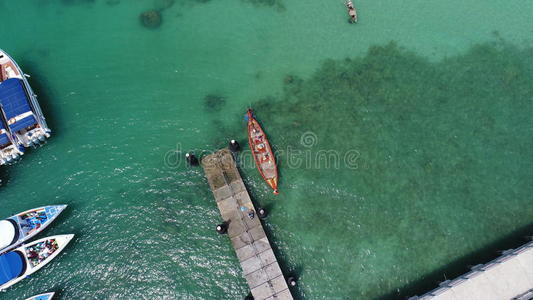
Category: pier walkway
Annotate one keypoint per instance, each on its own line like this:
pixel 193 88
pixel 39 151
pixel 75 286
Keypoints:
pixel 509 276
pixel 258 262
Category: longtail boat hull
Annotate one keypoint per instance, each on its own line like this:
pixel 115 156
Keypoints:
pixel 352 11
pixel 262 152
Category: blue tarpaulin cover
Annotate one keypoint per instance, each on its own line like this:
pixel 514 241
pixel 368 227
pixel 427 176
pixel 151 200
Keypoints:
pixel 15 102
pixel 11 266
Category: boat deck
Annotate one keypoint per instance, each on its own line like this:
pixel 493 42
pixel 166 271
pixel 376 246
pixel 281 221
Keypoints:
pixel 259 264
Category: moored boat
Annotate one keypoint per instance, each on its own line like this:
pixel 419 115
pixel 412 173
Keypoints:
pixel 45 296
pixel 262 152
pixel 25 260
pixel 352 12
pixel 25 225
pixel 22 121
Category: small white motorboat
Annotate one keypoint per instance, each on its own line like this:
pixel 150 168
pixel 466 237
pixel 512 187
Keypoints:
pixel 45 296
pixel 27 259
pixel 21 227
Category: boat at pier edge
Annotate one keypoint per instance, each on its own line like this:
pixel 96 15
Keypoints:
pixel 262 152
pixel 28 259
pixel 22 123
pixel 46 296
pixel 25 225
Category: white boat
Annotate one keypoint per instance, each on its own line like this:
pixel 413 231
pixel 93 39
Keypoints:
pixel 45 296
pixel 28 259
pixel 22 122
pixel 21 227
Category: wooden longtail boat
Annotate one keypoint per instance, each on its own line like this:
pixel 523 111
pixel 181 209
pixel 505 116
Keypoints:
pixel 262 152
pixel 351 11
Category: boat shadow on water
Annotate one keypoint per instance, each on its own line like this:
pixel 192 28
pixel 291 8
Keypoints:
pixel 57 288
pixel 45 94
pixel 4 176
pixel 463 264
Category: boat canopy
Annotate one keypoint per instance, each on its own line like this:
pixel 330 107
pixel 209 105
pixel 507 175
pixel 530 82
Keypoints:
pixel 12 265
pixel 15 104
pixel 8 233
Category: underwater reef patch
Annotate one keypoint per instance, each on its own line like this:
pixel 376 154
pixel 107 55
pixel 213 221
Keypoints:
pixel 278 4
pixel 214 102
pixel 432 139
pixel 151 18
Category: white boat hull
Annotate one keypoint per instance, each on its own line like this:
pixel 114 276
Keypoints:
pixel 45 296
pixel 32 136
pixel 58 209
pixel 62 241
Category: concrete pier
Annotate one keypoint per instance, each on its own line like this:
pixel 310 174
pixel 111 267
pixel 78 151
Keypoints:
pixel 509 276
pixel 258 262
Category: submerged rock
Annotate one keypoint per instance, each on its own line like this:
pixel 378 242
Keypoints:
pixel 151 19
pixel 278 4
pixel 214 102
pixel 288 79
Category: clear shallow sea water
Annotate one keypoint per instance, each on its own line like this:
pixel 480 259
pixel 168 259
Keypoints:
pixel 441 121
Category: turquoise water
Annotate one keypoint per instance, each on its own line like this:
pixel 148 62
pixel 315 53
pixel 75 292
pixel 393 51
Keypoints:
pixel 439 122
